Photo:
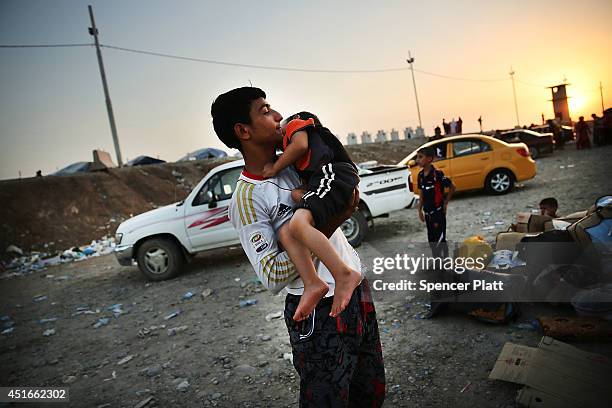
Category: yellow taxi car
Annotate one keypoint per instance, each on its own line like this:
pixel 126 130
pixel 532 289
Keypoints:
pixel 476 161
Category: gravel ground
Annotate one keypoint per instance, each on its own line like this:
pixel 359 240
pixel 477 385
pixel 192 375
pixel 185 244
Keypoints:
pixel 215 353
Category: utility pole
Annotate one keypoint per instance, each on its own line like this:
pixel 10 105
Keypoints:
pixel 109 106
pixel 518 122
pixel 410 60
pixel 601 94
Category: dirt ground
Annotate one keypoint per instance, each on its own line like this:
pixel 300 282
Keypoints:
pixel 220 354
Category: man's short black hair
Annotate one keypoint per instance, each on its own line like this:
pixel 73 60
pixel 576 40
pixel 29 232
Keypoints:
pixel 550 202
pixel 230 108
pixel 427 151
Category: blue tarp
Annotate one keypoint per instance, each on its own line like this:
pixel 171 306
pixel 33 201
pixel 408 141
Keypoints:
pixel 142 160
pixel 78 167
pixel 206 153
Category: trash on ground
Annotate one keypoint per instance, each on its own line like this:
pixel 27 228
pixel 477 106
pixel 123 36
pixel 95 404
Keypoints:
pixel 174 330
pixel 103 321
pixel 49 332
pixel 555 374
pixel 39 298
pixel 274 315
pixel 125 360
pixel 172 315
pixel 576 328
pixel 8 331
pixel 47 320
pixel 248 302
pixel 207 292
pixel 187 296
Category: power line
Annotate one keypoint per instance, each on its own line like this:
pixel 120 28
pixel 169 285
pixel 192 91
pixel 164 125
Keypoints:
pixel 266 67
pixel 45 45
pixel 460 79
pixel 293 69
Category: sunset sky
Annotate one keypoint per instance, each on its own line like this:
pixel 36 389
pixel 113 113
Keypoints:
pixel 52 110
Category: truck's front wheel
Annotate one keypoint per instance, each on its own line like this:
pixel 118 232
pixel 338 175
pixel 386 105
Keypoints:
pixel 355 228
pixel 160 259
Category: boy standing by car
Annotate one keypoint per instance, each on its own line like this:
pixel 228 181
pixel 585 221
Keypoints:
pixel 433 200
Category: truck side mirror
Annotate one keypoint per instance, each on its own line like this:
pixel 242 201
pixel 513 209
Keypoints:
pixel 211 199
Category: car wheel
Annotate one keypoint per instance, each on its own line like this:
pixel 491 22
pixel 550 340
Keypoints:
pixel 160 259
pixel 534 152
pixel 355 228
pixel 499 182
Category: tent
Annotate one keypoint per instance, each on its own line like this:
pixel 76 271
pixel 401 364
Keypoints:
pixel 78 167
pixel 206 153
pixel 142 160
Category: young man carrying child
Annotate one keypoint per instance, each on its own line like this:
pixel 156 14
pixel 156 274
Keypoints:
pixel 339 359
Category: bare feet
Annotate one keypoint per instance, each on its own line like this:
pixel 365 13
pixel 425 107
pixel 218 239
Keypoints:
pixel 313 292
pixel 345 285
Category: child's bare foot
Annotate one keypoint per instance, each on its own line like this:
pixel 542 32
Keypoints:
pixel 313 292
pixel 345 285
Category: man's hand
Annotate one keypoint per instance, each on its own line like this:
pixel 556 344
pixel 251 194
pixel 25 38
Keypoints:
pixel 268 170
pixel 421 215
pixel 338 219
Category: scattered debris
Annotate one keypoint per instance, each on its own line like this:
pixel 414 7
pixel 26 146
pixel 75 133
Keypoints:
pixel 125 360
pixel 112 377
pixel 274 315
pixel 144 402
pixel 465 388
pixel 555 374
pixel 49 332
pixel 183 385
pixel 39 298
pixel 8 331
pixel 14 249
pixel 172 315
pixel 103 321
pixel 174 330
pixel 576 328
pixel 187 296
pixel 248 302
pixel 47 320
pixel 68 379
pixel 288 357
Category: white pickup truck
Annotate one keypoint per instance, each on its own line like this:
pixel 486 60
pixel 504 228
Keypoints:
pixel 163 239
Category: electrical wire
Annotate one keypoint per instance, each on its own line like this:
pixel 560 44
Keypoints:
pixel 46 45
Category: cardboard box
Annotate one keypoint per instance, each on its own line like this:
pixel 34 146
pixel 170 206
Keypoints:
pixel 556 375
pixel 508 240
pixel 527 222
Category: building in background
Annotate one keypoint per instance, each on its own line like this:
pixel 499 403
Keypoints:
pixel 420 132
pixel 560 106
pixel 408 133
pixel 366 137
pixel 394 134
pixel 381 136
pixel 351 139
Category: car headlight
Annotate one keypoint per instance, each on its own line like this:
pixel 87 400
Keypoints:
pixel 118 237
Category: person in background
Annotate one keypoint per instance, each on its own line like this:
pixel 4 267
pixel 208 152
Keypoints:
pixel 549 206
pixel 582 134
pixel 446 127
pixel 459 125
pixel 433 200
pixel 557 136
pixel 597 130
